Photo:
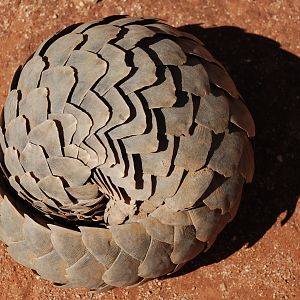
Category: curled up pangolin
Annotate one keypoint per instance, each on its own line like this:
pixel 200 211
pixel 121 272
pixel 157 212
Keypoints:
pixel 123 151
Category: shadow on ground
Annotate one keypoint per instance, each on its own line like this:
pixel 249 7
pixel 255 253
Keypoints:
pixel 268 78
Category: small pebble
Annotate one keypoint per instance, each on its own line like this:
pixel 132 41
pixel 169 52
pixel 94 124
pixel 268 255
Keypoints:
pixel 223 287
pixel 279 158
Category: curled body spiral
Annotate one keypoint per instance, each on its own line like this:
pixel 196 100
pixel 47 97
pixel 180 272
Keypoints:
pixel 124 150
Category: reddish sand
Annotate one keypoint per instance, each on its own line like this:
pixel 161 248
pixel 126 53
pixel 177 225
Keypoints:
pixel 258 255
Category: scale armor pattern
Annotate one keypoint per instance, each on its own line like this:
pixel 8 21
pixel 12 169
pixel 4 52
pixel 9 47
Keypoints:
pixel 124 150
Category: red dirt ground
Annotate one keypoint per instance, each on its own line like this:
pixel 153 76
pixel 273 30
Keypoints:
pixel 258 254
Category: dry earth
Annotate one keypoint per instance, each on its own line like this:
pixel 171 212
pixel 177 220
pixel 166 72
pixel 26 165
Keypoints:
pixel 258 255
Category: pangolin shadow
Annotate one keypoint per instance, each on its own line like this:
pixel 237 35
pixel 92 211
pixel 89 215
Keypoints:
pixel 268 78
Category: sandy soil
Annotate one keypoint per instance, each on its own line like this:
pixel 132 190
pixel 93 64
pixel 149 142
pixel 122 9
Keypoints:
pixel 258 255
